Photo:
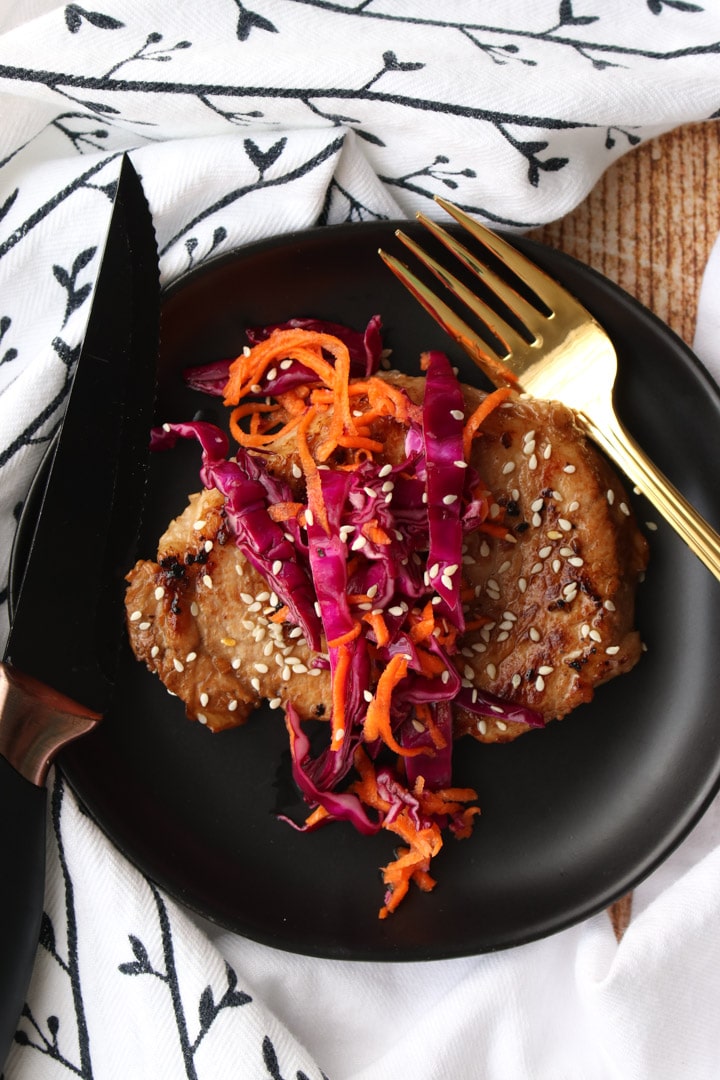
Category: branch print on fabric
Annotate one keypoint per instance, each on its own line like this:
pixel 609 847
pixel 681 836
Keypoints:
pixel 48 1036
pixel 207 1008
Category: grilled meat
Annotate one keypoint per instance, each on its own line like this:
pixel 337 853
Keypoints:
pixel 550 584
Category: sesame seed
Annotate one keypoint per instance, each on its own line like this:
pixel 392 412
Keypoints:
pixel 576 561
pixel 385 470
pixel 286 673
pixel 625 509
pixel 503 636
pixel 154 651
pixel 532 463
pixel 539 684
pixel 255 606
pixel 202 718
pixel 534 633
pixel 484 549
pixel 194 609
pixel 367 695
pixel 574 505
pixel 235 664
pixel 296 471
pixel 508 467
pixel 564 524
pixel 612 650
pixel 608 605
pixel 651 525
pixel 547 451
pixel 358 543
pixel 446 581
pixel 504 567
pixel 569 469
pixel 178 664
pixel 207 581
pixel 544 551
pixel 256 388
pixel 159 592
pixel 491 670
pixel 516 681
pixel 595 635
pixel 190 657
pixel 522 584
pixel 135 616
pixel 457 414
pixel 255 683
pixel 501 725
pixel 199 524
pixel 482 727
pixel 556 564
pixel 275 702
pixel 448 500
pixel 262 668
pixel 610 496
pixel 553 534
pixel 537 505
pixel 309 518
pixel 232 705
pixel 545 669
pixel 229 641
pixel 529 446
pixel 537 568
pixel 144 626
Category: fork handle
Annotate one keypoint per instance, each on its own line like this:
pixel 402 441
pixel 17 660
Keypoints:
pixel 606 430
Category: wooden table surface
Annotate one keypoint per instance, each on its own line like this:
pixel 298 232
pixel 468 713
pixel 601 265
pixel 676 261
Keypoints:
pixel 649 225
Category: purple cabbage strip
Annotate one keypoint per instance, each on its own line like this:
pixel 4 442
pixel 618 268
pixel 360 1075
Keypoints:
pixel 340 806
pixel 261 540
pixel 365 351
pixel 443 423
pixel 481 703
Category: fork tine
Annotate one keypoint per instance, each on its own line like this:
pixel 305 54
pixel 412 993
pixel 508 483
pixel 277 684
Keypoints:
pixel 528 315
pixel 452 324
pixel 546 290
pixel 495 323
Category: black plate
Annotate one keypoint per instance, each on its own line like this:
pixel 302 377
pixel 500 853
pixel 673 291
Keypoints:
pixel 573 816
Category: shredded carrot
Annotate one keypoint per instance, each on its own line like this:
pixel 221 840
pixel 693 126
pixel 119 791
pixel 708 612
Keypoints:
pixel 339 687
pixel 375 533
pixel 379 626
pixel 377 719
pixel 481 414
pixel 280 615
pixel 345 639
pixel 285 511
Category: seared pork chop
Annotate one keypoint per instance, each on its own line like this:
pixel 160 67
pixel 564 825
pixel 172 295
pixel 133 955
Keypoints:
pixel 549 584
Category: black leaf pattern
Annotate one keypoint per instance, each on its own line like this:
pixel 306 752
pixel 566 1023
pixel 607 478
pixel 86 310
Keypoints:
pixel 656 6
pixel 567 18
pixel 263 159
pixel 249 21
pixel 74 16
pixel 8 204
pixel 76 296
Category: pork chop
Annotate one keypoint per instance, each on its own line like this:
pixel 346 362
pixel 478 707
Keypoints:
pixel 549 579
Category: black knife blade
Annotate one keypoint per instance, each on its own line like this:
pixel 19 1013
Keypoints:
pixel 57 672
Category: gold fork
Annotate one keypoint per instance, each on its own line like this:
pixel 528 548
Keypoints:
pixel 569 357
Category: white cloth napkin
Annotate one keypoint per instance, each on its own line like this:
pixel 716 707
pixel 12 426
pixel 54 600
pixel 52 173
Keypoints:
pixel 246 120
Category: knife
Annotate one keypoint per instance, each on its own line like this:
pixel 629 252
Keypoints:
pixel 56 676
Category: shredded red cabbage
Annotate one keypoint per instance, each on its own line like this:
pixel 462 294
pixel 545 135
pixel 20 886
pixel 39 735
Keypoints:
pixel 443 422
pixel 261 540
pixel 365 351
pixel 395 536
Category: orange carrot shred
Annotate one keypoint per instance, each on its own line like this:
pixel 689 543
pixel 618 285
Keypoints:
pixel 481 414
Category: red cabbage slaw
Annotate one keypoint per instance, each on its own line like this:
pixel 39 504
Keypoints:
pixel 391 532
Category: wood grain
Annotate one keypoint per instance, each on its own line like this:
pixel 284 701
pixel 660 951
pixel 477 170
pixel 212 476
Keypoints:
pixel 650 222
pixel 649 225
